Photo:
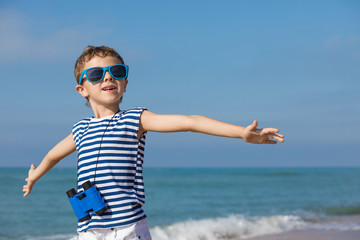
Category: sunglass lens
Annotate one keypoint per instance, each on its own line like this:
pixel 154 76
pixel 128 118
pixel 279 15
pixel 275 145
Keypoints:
pixel 118 71
pixel 94 74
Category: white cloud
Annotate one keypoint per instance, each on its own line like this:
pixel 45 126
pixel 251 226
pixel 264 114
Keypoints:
pixel 338 41
pixel 333 42
pixel 19 43
pixel 345 46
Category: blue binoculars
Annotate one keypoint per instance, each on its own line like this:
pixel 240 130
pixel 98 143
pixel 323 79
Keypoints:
pixel 85 201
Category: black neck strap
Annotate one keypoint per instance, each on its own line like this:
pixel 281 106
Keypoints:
pixel 97 160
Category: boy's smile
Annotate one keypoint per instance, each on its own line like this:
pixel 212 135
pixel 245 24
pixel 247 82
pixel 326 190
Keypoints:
pixel 107 93
pixel 109 88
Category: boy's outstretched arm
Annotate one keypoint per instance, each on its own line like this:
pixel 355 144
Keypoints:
pixel 195 123
pixel 60 151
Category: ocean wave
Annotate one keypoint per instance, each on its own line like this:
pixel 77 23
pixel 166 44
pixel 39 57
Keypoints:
pixel 53 237
pixel 231 227
pixel 242 227
pixel 238 227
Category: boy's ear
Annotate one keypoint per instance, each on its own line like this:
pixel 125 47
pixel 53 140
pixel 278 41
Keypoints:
pixel 126 82
pixel 80 89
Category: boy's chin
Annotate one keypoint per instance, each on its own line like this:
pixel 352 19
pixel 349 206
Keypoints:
pixel 107 102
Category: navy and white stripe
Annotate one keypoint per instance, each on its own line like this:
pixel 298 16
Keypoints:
pixel 119 171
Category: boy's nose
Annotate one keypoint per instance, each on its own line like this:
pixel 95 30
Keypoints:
pixel 107 76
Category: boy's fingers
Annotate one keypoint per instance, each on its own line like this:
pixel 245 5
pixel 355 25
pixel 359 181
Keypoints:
pixel 270 142
pixel 270 130
pixel 276 137
pixel 279 139
pixel 26 190
pixel 272 135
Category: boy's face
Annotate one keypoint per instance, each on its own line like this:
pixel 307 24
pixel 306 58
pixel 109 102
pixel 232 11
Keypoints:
pixel 106 92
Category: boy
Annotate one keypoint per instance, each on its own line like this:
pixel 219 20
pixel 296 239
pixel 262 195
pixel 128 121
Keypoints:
pixel 110 145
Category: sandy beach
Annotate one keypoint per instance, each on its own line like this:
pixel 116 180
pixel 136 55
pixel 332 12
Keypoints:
pixel 314 235
pixel 349 231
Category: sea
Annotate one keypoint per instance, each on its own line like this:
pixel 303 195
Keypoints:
pixel 196 203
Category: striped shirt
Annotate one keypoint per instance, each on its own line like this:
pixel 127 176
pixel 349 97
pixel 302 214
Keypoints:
pixel 119 169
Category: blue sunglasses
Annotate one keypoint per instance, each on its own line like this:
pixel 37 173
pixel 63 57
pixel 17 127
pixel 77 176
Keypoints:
pixel 96 74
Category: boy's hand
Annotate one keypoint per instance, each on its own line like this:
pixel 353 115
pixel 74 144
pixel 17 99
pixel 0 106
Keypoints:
pixel 262 136
pixel 30 183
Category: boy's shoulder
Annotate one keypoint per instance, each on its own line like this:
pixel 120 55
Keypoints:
pixel 82 122
pixel 134 112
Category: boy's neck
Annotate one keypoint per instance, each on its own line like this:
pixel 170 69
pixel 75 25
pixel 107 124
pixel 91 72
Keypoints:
pixel 104 111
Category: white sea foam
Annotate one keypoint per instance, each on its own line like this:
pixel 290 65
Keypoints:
pixel 237 227
pixel 54 237
pixel 232 227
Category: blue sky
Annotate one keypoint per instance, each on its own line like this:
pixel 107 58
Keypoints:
pixel 293 65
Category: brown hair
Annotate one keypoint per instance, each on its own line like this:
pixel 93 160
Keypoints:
pixel 89 53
